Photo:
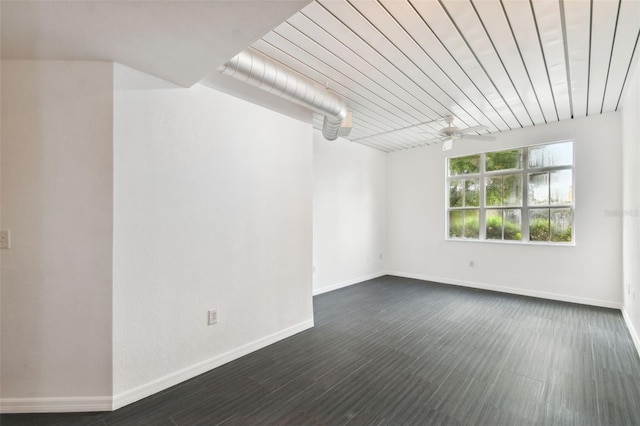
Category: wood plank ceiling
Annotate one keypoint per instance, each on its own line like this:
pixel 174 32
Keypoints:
pixel 403 65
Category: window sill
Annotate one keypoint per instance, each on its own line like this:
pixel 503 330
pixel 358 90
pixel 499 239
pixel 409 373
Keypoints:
pixel 508 242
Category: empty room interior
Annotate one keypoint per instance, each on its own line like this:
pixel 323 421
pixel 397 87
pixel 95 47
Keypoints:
pixel 320 212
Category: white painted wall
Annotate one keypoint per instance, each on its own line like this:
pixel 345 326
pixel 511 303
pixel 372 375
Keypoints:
pixel 589 272
pixel 631 204
pixel 349 213
pixel 57 120
pixel 212 209
pixel 189 199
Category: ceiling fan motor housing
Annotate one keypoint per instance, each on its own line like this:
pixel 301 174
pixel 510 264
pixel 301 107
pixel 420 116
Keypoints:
pixel 449 131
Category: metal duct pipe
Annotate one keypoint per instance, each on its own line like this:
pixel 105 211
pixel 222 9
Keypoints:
pixel 264 73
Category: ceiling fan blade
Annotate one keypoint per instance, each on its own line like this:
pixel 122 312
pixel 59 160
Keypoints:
pixel 473 129
pixel 480 137
pixel 400 129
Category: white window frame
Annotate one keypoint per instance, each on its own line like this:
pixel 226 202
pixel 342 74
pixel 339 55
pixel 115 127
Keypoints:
pixel 525 171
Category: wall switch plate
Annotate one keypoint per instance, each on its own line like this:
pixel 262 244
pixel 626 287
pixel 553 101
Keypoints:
pixel 472 263
pixel 213 317
pixel 5 239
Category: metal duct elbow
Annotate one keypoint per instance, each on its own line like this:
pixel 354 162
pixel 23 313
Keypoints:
pixel 263 72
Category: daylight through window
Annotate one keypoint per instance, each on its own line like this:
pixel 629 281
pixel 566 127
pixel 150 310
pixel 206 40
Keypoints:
pixel 522 194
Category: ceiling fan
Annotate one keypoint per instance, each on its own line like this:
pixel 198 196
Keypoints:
pixel 452 132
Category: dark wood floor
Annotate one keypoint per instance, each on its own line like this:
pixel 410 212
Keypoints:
pixel 398 351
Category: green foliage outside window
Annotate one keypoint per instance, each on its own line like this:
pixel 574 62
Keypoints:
pixel 464 223
pixel 472 224
pixel 507 229
pixel 550 225
pixel 456 224
pixel 503 160
pixel 464 193
pixel 539 229
pixel 494 228
pixel 464 165
pixel 503 190
pixel 456 193
pixel 564 235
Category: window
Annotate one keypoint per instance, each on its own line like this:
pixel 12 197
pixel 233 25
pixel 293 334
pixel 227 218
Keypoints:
pixel 523 194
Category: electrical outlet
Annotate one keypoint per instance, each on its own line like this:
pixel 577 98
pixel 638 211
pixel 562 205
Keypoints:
pixel 5 239
pixel 472 263
pixel 213 317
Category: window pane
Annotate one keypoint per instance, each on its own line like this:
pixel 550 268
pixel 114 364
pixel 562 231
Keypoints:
pixel 456 224
pixel 538 189
pixel 471 192
pixel 557 154
pixel 464 165
pixel 471 223
pixel 503 224
pixel 539 225
pixel 512 190
pixel 561 225
pixel 512 224
pixel 493 191
pixel 561 186
pixel 456 193
pixel 494 225
pixel 503 160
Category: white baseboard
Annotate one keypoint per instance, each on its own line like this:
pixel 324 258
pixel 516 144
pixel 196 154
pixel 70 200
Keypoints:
pixel 55 405
pixel 512 290
pixel 194 370
pixel 87 404
pixel 347 283
pixel 634 334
